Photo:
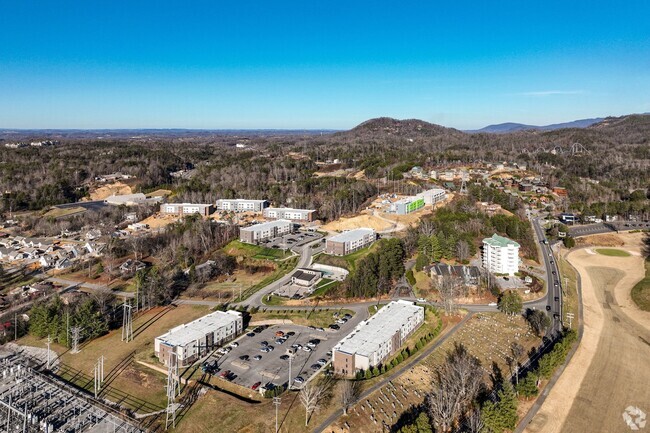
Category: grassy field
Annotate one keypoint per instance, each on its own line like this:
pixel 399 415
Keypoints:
pixel 612 252
pixel 60 213
pixel 346 262
pixel 318 318
pixel 122 371
pixel 641 292
pixel 283 268
pixel 569 280
pixel 236 248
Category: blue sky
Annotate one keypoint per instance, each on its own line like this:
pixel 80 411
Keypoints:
pixel 319 64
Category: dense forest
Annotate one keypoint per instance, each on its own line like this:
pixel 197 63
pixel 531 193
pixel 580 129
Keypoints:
pixel 614 155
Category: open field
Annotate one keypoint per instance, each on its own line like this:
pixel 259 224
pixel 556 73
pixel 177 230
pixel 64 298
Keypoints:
pixel 241 249
pixel 609 369
pixel 122 371
pixel 612 252
pixel 65 212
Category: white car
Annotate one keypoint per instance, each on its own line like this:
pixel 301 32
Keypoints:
pixel 307 349
pixel 421 300
pixel 234 344
pixel 492 304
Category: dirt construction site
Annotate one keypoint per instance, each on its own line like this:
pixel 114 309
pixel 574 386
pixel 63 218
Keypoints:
pixel 605 386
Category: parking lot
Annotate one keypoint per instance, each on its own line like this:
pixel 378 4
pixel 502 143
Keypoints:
pixel 291 240
pixel 248 364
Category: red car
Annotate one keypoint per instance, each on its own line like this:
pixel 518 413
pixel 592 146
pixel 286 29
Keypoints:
pixel 256 385
pixel 225 374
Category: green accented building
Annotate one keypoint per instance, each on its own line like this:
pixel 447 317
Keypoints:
pixel 407 205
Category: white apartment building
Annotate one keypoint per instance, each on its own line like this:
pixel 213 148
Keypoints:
pixel 259 232
pixel 500 255
pixel 192 340
pixel 241 205
pixel 375 339
pixel 433 196
pixel 350 241
pixel 285 213
pixel 186 209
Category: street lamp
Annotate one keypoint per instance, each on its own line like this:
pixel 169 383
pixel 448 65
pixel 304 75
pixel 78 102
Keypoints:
pixel 276 402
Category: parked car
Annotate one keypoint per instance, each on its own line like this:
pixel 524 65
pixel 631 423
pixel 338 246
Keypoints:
pixel 279 333
pixel 299 380
pixel 307 349
pixel 557 299
pixel 315 367
pixel 244 357
pixel 334 326
pixel 321 362
pixel 290 334
pixel 225 373
pixel 234 344
pixel 284 357
pixel 250 334
pixel 548 308
pixel 280 341
pixel 256 385
pixel 257 357
pixel 264 343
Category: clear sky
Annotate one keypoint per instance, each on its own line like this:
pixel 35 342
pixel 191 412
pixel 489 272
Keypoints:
pixel 319 63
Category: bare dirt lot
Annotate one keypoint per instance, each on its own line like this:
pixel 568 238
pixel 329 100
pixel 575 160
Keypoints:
pixel 609 371
pixel 117 188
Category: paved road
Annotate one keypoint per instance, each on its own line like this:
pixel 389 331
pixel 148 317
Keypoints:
pixel 552 302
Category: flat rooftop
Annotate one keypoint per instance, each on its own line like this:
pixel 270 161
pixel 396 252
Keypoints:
pixel 368 335
pixel 190 204
pixel 407 200
pixel 267 225
pixel 289 209
pixel 351 235
pixel 197 329
pixel 241 200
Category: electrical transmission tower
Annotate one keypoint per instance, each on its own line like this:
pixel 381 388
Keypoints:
pixel 127 322
pixel 75 331
pixel 173 388
pixel 463 187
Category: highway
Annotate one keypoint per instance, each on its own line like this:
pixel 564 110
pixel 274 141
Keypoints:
pixel 552 302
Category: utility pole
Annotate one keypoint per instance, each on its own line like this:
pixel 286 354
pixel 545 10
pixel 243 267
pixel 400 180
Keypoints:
pixel 276 403
pixel 290 358
pixel 569 317
pixel 49 341
pixel 15 326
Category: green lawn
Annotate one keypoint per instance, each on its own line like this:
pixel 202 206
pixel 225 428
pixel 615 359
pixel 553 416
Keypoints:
pixel 641 292
pixel 255 251
pixel 612 252
pixel 346 262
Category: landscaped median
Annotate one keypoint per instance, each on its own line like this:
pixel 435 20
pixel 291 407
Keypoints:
pixel 641 291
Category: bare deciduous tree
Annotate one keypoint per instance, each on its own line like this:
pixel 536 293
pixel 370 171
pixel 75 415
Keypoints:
pixel 310 397
pixel 457 383
pixel 449 288
pixel 349 394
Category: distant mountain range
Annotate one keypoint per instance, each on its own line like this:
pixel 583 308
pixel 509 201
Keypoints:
pixel 504 128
